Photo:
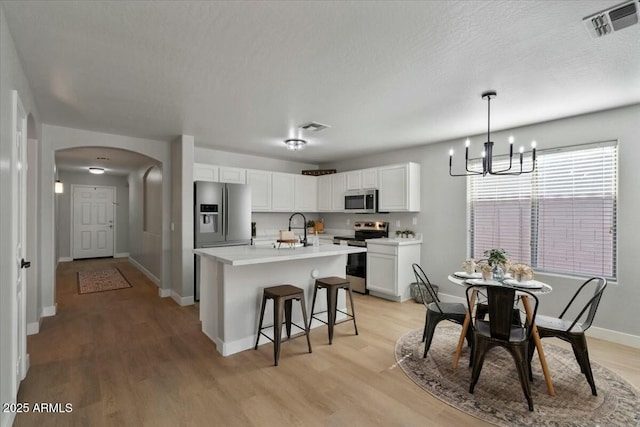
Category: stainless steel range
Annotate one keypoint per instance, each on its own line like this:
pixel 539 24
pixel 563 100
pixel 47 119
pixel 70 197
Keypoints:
pixel 357 263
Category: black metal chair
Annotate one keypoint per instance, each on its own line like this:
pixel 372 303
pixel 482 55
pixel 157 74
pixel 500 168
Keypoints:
pixel 499 330
pixel 572 331
pixel 437 310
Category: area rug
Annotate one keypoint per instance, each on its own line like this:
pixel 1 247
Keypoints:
pixel 498 397
pixel 100 281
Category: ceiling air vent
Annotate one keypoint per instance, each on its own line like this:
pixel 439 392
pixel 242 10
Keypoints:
pixel 313 126
pixel 612 19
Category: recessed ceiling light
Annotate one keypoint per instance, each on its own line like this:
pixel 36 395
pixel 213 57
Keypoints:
pixel 295 144
pixel 97 171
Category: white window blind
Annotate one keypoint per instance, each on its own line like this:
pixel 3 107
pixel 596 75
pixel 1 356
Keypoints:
pixel 561 218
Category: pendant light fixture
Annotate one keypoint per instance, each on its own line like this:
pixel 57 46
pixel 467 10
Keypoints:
pixel 58 187
pixel 487 153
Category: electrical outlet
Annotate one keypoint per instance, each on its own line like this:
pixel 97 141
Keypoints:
pixel 398 223
pixel 415 220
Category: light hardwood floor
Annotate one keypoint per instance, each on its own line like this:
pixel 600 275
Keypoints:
pixel 130 358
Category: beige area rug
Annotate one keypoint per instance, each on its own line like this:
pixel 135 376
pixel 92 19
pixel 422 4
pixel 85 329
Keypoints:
pixel 498 397
pixel 101 281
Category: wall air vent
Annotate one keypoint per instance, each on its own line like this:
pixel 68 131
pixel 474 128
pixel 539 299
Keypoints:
pixel 612 19
pixel 313 126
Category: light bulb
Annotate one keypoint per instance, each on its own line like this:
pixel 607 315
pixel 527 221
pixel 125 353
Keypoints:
pixel 511 139
pixel 533 144
pixel 467 143
pixel 451 152
pixel 483 154
pixel 521 149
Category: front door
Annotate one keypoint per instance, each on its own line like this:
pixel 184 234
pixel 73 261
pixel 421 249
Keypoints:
pixel 92 221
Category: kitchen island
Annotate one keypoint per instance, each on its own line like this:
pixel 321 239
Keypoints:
pixel 232 279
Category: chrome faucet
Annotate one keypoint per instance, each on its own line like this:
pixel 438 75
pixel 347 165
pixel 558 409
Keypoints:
pixel 304 226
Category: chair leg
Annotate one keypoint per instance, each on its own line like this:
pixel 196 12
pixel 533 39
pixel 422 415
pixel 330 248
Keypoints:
pixel 332 302
pixel 287 316
pixel 313 303
pixel 353 311
pixel 520 356
pixel 579 343
pixel 430 328
pixel 264 302
pixel 306 323
pixel 424 333
pixel 478 360
pixel 277 328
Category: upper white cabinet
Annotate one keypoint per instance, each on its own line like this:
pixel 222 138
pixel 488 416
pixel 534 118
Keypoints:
pixel 232 175
pixel 362 179
pixel 324 193
pixel 202 172
pixel 282 192
pixel 338 187
pixel 260 183
pixel 305 193
pixel 399 188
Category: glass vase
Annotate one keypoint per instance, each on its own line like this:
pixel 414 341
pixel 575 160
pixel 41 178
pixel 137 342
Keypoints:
pixel 498 273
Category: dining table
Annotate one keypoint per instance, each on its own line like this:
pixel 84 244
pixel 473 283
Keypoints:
pixel 533 286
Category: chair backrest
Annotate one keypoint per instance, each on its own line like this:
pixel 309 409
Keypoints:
pixel 500 301
pixel 424 287
pixel 599 284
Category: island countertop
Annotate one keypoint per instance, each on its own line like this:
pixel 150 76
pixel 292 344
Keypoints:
pixel 248 255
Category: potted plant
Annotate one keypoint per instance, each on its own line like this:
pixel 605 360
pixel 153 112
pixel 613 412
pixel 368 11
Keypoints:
pixel 311 224
pixel 497 259
pixel 398 234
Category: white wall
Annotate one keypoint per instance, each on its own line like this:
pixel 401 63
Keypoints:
pixel 442 219
pixel 58 138
pixel 63 220
pixel 216 157
pixel 12 77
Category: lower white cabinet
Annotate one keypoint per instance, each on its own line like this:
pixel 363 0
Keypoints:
pixel 389 271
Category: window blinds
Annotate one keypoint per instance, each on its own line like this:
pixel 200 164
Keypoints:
pixel 561 218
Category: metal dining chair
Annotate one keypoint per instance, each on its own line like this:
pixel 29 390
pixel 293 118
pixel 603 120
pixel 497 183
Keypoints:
pixel 437 310
pixel 572 331
pixel 499 330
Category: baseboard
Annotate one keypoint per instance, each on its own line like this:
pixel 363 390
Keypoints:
pixel 33 328
pixel 146 272
pixel 182 301
pixel 121 255
pixel 49 311
pixel 65 259
pixel 164 293
pixel 594 332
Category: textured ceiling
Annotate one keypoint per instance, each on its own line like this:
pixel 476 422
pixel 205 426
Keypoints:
pixel 241 76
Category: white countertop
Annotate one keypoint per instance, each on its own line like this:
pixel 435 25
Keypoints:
pixel 395 242
pixel 246 255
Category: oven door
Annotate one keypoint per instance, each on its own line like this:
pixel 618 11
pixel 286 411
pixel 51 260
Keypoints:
pixel 357 272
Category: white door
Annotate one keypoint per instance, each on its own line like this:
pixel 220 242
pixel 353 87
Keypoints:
pixel 92 221
pixel 19 170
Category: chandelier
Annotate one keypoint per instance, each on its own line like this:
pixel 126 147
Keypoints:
pixel 487 152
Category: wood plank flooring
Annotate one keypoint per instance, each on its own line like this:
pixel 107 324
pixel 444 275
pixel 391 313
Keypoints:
pixel 129 358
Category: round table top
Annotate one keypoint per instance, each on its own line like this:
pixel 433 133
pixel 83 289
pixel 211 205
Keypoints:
pixel 533 286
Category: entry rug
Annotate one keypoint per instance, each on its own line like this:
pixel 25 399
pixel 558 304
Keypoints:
pixel 498 397
pixel 100 281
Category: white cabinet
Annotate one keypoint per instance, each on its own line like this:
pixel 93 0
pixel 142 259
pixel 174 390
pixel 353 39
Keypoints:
pixel 305 193
pixel 260 183
pixel 324 193
pixel 338 187
pixel 202 172
pixel 389 271
pixel 282 192
pixel 399 188
pixel 362 179
pixel 232 175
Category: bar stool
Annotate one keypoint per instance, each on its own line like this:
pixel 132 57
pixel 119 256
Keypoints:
pixel 332 285
pixel 282 296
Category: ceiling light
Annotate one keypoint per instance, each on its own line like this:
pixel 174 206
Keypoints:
pixel 295 144
pixel 97 171
pixel 487 152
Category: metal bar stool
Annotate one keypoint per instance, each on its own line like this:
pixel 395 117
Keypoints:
pixel 332 285
pixel 283 296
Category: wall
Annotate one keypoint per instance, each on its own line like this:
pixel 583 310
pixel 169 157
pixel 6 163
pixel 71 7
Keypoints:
pixel 57 138
pixel 63 220
pixel 12 77
pixel 216 157
pixel 442 219
pixel 145 246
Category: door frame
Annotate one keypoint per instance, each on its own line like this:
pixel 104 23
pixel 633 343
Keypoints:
pixel 72 219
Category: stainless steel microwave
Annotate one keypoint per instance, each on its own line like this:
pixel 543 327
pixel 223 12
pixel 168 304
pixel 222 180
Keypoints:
pixel 361 201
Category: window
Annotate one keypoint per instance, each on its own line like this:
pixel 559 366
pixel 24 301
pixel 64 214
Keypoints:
pixel 560 219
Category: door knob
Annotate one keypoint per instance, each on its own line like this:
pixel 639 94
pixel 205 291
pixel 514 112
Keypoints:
pixel 25 264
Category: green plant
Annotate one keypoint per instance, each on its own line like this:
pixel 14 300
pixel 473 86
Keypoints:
pixel 496 256
pixel 311 223
pixel 398 233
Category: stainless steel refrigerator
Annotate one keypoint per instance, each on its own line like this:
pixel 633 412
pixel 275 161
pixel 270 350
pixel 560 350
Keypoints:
pixel 222 217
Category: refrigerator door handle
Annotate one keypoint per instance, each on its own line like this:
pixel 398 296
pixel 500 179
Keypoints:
pixel 225 209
